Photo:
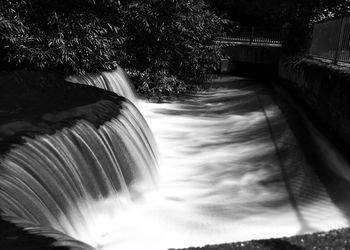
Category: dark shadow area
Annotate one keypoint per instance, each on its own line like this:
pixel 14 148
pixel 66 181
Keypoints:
pixel 15 238
pixel 337 187
pixel 33 103
pixel 254 70
pixel 278 244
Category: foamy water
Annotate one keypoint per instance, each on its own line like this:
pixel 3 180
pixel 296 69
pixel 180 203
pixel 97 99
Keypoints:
pixel 223 177
pixel 229 170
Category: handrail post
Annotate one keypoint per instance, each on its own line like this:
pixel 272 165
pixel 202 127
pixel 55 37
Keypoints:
pixel 340 41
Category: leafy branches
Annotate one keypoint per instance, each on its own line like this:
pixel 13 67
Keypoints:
pixel 51 35
pixel 164 43
pixel 175 38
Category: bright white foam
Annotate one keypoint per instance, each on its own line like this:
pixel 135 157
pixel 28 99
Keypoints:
pixel 220 177
pixel 220 180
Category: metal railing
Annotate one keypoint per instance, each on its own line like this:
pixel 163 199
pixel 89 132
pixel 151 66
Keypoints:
pixel 331 40
pixel 253 35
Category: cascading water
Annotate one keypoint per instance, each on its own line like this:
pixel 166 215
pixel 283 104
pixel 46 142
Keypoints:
pixel 52 181
pixel 116 81
pixel 230 170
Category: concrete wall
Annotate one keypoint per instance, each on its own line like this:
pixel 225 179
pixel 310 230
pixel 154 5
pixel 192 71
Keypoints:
pixel 325 89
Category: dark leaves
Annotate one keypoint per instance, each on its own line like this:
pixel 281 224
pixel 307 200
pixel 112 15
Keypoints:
pixel 167 44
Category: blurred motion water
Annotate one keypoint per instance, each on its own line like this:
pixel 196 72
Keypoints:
pixel 230 169
pixel 116 81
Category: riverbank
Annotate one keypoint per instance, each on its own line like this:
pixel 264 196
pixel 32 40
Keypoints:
pixel 324 89
pixel 332 240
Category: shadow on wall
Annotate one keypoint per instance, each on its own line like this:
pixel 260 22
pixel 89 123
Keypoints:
pixel 326 155
pixel 323 90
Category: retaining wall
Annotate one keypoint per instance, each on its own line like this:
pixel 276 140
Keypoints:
pixel 325 89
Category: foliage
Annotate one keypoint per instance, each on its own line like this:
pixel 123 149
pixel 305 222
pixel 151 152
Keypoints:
pixel 158 84
pixel 49 35
pixel 169 41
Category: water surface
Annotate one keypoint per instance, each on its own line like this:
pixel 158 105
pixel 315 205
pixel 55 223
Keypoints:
pixel 230 170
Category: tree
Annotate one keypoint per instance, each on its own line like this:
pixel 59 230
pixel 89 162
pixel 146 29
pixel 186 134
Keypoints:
pixel 55 35
pixel 170 43
pixel 165 44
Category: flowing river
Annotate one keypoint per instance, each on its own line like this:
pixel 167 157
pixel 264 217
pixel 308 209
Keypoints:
pixel 229 169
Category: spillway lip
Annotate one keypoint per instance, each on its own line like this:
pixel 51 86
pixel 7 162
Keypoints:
pixel 36 103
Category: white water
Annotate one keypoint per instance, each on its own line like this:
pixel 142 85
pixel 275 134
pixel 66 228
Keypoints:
pixel 220 179
pixel 48 183
pixel 223 177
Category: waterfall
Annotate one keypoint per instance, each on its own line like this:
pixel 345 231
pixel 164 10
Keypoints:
pixel 116 81
pixel 49 183
pixel 96 180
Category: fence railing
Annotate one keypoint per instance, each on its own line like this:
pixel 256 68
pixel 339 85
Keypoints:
pixel 253 35
pixel 331 40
